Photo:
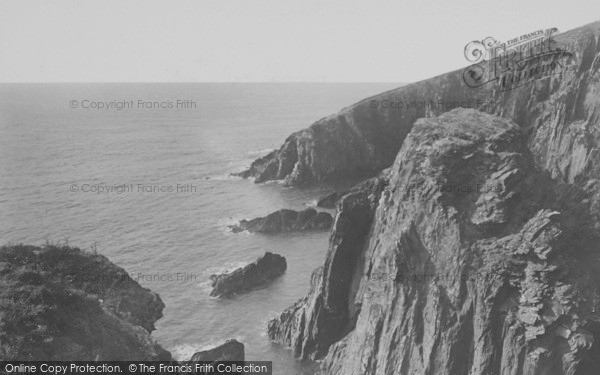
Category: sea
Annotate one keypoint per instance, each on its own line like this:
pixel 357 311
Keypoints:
pixel 141 173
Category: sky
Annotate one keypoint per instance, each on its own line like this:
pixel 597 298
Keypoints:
pixel 260 40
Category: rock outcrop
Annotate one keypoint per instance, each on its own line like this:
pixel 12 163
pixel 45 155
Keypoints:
pixel 331 199
pixel 286 220
pixel 231 350
pixel 559 112
pixel 59 303
pixel 468 257
pixel 265 269
pixel 317 321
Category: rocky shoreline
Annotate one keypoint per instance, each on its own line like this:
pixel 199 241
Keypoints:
pixel 427 272
pixel 363 139
pixel 528 248
pixel 61 303
pixel 417 279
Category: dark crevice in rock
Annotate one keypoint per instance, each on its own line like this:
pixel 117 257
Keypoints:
pixel 314 323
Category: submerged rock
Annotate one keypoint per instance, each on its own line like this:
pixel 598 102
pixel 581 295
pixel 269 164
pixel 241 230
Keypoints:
pixel 286 220
pixel 331 199
pixel 60 303
pixel 265 269
pixel 231 350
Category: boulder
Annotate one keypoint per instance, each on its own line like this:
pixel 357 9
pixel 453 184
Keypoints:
pixel 231 350
pixel 265 269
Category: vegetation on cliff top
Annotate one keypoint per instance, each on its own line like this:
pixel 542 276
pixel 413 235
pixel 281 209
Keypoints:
pixel 61 303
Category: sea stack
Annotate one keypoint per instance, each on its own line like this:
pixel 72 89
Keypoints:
pixel 265 269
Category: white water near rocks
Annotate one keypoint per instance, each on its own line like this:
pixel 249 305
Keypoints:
pixel 169 241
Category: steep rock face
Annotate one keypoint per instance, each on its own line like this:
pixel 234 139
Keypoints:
pixel 561 113
pixel 231 350
pixel 476 262
pixel 286 220
pixel 263 270
pixel 59 303
pixel 315 322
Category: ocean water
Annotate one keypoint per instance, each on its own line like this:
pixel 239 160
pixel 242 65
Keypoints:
pixel 149 187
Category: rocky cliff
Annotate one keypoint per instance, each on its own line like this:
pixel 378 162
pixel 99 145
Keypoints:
pixel 559 112
pixel 477 250
pixel 465 257
pixel 315 322
pixel 59 303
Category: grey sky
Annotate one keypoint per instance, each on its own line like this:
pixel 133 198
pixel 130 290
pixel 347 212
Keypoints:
pixel 260 40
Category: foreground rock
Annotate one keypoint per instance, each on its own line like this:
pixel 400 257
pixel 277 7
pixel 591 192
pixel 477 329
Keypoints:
pixel 59 303
pixel 265 269
pixel 286 221
pixel 364 138
pixel 470 260
pixel 331 199
pixel 231 350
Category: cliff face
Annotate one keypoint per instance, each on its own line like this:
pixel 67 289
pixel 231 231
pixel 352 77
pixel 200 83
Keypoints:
pixel 317 321
pixel 361 140
pixel 59 303
pixel 475 261
pixel 480 255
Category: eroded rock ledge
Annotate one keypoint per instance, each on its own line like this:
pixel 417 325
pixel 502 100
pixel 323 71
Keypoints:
pixel 286 220
pixel 59 303
pixel 424 277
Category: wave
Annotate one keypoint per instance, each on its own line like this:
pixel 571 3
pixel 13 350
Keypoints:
pixel 224 176
pixel 227 267
pixel 312 203
pixel 264 151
